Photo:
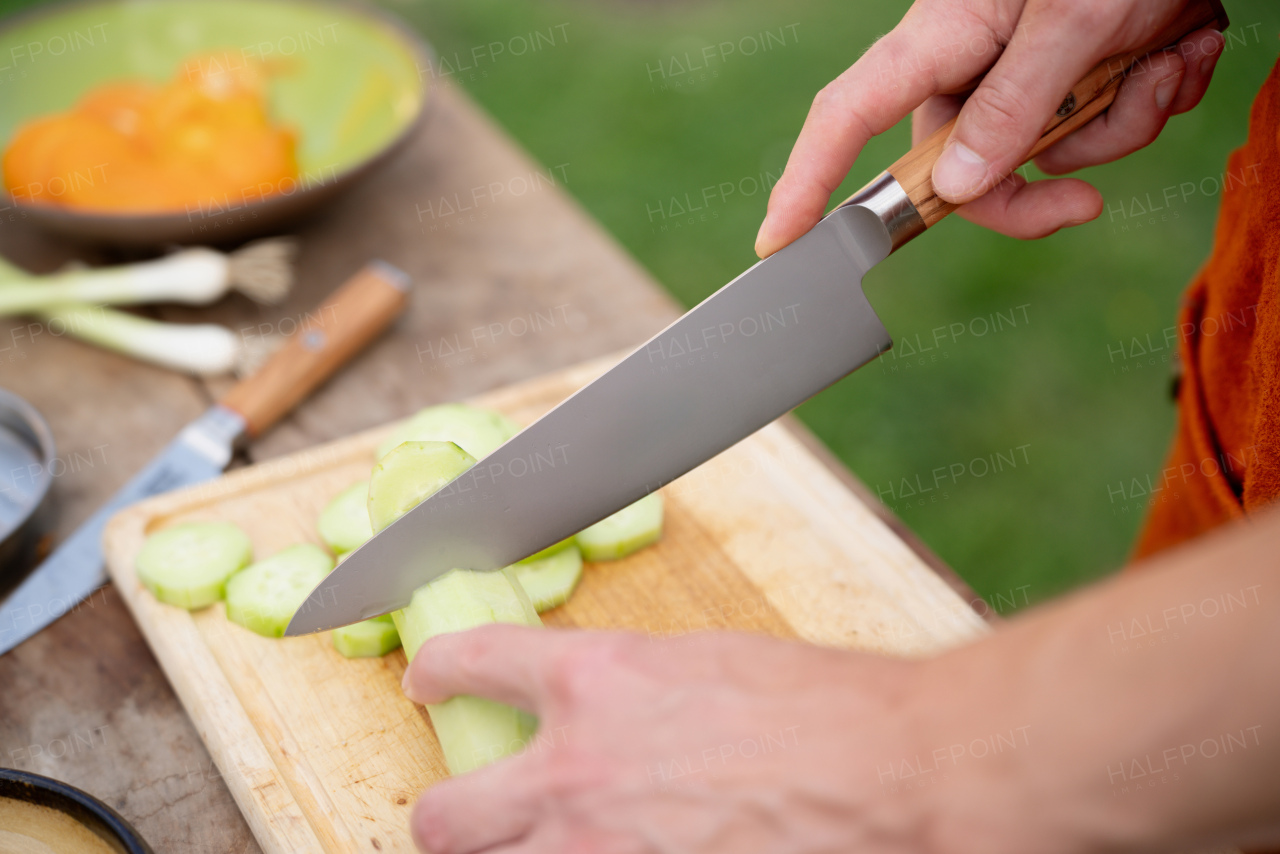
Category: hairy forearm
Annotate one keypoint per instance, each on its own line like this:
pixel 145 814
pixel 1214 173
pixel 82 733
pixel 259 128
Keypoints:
pixel 1146 710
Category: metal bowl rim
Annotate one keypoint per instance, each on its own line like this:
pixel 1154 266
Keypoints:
pixel 48 452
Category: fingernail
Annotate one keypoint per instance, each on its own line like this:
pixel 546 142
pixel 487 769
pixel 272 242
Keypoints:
pixel 1207 64
pixel 1167 89
pixel 959 174
pixel 762 237
pixel 407 686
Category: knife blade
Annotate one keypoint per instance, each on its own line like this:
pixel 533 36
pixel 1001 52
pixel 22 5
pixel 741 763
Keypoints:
pixel 347 321
pixel 790 326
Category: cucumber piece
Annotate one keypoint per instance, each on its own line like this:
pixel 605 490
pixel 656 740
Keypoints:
pixel 367 638
pixel 551 581
pixel 264 597
pixel 188 565
pixel 629 530
pixel 548 551
pixel 409 473
pixel 472 731
pixel 344 522
pixel 477 431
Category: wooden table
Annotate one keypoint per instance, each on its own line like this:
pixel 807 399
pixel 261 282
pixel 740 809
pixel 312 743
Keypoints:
pixel 84 701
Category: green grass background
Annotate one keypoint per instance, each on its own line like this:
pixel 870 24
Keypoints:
pixel 1058 392
pixel 1054 383
pixel 1087 418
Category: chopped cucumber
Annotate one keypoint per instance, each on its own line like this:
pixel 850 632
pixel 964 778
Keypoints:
pixel 264 597
pixel 477 431
pixel 550 581
pixel 461 600
pixel 188 565
pixel 367 638
pixel 409 473
pixel 629 530
pixel 472 731
pixel 548 551
pixel 344 522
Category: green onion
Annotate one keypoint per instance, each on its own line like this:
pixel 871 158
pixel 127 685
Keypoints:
pixel 205 349
pixel 197 276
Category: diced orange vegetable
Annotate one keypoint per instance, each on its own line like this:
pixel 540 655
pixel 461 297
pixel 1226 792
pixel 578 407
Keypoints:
pixel 203 138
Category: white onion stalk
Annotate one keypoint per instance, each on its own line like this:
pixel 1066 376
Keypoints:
pixel 197 276
pixel 196 348
pixel 205 349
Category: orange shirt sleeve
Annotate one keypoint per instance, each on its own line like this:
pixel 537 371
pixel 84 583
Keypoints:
pixel 1225 459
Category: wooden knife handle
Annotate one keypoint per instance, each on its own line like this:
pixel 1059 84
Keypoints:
pixel 326 338
pixel 1089 98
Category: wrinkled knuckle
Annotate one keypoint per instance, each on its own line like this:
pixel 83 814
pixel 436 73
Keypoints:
pixel 579 672
pixel 469 658
pixel 999 109
pixel 826 99
pixel 569 678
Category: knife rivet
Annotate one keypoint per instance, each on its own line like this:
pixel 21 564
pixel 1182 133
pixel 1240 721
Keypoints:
pixel 1068 106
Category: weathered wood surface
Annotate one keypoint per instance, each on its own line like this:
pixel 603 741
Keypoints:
pixel 326 754
pixel 89 681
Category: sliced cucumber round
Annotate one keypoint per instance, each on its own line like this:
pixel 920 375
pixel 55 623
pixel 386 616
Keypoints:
pixel 367 638
pixel 265 596
pixel 477 431
pixel 460 600
pixel 409 473
pixel 344 522
pixel 188 565
pixel 629 530
pixel 551 581
pixel 548 551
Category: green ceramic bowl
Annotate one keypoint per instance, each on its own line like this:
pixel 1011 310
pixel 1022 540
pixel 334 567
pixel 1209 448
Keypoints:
pixel 354 88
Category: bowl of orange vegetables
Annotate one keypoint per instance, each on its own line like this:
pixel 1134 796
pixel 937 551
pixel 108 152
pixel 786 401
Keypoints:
pixel 151 122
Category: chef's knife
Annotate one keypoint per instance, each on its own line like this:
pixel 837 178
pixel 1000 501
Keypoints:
pixel 347 321
pixel 781 332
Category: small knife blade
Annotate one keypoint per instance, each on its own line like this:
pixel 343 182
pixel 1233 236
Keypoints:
pixel 351 318
pixel 74 570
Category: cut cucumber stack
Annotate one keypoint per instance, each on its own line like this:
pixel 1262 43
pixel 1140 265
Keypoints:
pixel 477 431
pixel 629 530
pixel 473 731
pixel 367 638
pixel 550 580
pixel 188 565
pixel 344 522
pixel 344 527
pixel 264 597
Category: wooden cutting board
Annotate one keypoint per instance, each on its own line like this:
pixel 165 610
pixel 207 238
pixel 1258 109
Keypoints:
pixel 326 754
